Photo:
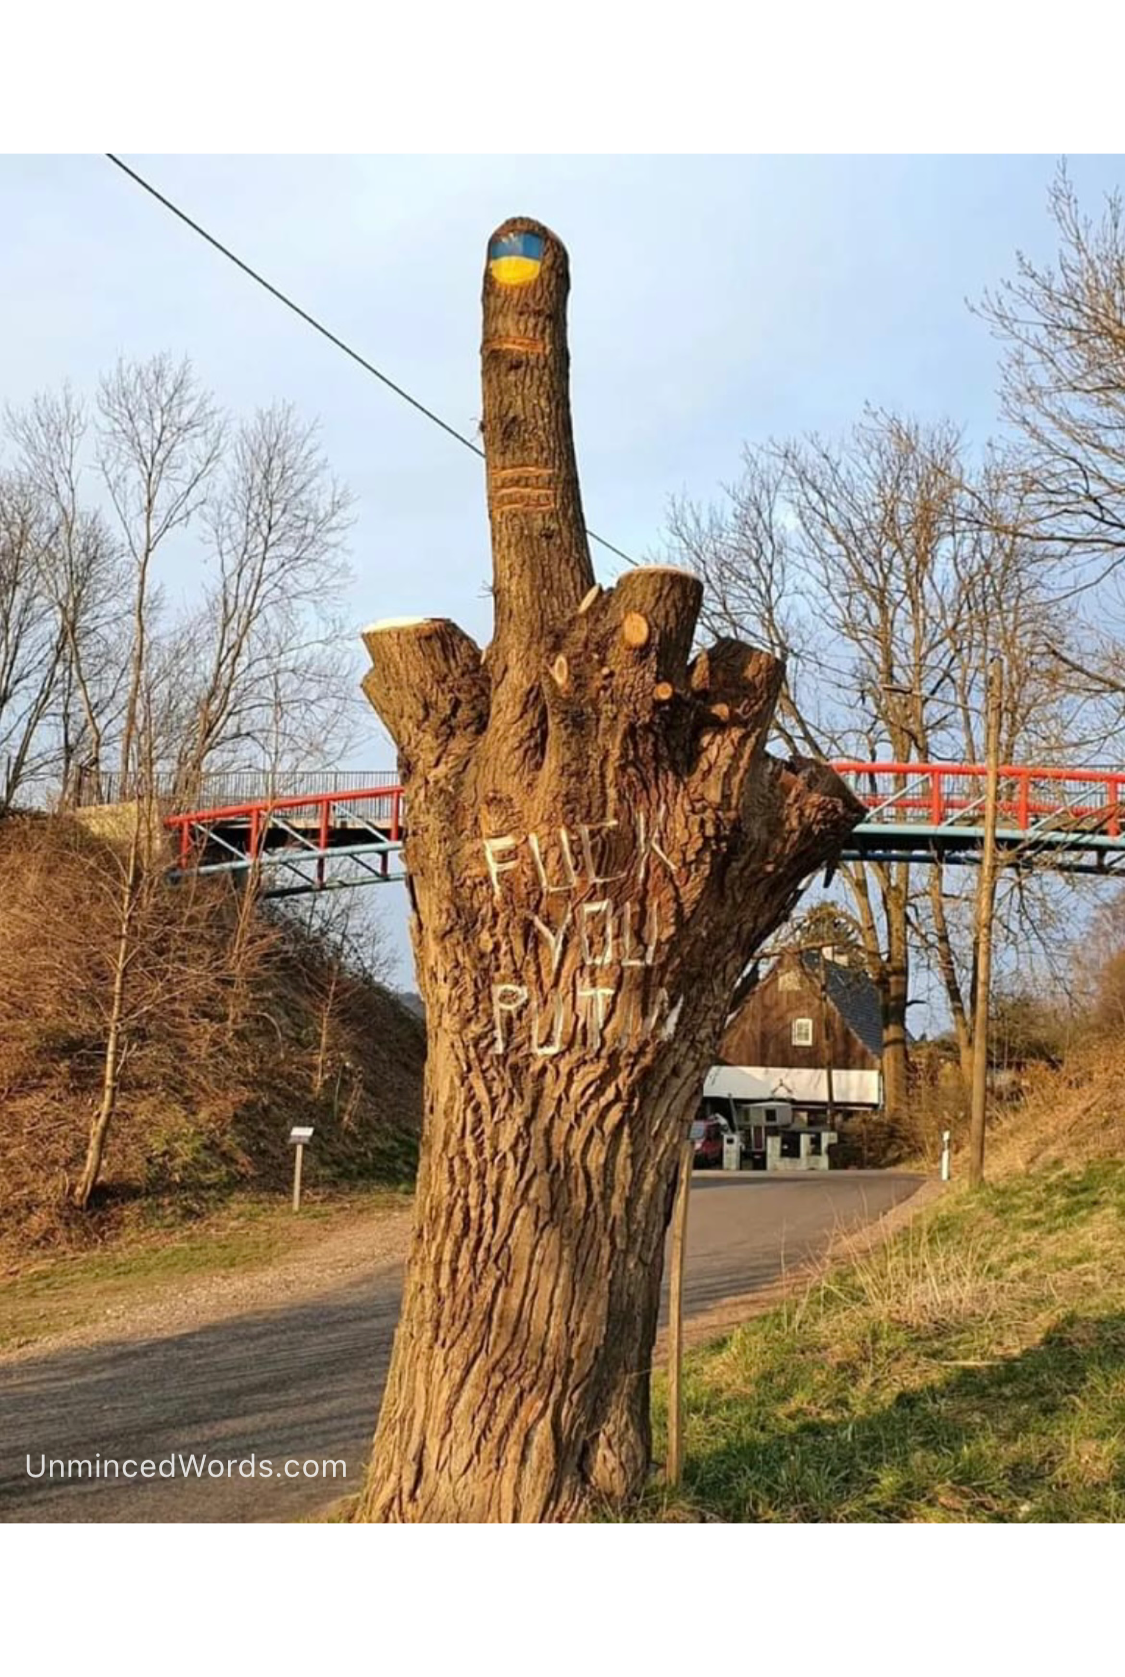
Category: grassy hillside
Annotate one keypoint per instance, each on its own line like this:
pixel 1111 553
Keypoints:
pixel 970 1369
pixel 239 1024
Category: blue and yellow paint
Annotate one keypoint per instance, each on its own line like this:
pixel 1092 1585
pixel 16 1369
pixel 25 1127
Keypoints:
pixel 515 258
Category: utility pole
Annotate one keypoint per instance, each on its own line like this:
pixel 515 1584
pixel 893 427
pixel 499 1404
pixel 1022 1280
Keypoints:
pixel 827 953
pixel 986 903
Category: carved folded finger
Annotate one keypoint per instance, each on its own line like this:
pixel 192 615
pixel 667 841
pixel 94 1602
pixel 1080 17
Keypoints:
pixel 819 806
pixel 733 732
pixel 820 780
pixel 794 813
pixel 814 805
pixel 733 674
pixel 425 682
pixel 657 607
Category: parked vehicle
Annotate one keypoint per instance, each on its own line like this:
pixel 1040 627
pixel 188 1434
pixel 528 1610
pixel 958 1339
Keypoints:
pixel 707 1134
pixel 752 1120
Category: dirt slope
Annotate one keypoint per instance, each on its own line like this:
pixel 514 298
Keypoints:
pixel 240 1025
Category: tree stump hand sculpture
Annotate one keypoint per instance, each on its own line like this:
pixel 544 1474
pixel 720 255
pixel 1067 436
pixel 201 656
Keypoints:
pixel 597 841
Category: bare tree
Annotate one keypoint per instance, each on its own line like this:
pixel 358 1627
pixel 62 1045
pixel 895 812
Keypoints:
pixel 1062 330
pixel 347 953
pixel 82 578
pixel 124 690
pixel 115 990
pixel 267 633
pixel 891 575
pixel 158 442
pixel 1062 327
pixel 30 641
pixel 250 672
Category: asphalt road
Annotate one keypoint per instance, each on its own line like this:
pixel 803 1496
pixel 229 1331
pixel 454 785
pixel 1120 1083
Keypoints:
pixel 302 1383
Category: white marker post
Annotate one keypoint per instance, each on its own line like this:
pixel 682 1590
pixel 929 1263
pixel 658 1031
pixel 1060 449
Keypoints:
pixel 946 1155
pixel 298 1136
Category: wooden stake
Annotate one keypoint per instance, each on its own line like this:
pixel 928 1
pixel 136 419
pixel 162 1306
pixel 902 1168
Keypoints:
pixel 299 1153
pixel 986 903
pixel 676 1319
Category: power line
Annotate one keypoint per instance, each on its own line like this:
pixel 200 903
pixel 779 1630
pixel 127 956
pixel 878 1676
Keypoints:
pixel 318 326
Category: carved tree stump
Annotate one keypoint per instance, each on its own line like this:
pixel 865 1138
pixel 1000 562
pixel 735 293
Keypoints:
pixel 597 842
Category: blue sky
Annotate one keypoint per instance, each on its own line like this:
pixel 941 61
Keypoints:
pixel 715 300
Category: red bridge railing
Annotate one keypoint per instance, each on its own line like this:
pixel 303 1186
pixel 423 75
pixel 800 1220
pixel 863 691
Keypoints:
pixel 321 815
pixel 948 794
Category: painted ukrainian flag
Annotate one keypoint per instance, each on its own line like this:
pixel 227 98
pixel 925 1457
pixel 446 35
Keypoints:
pixel 515 258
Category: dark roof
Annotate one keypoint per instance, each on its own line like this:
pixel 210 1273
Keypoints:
pixel 854 995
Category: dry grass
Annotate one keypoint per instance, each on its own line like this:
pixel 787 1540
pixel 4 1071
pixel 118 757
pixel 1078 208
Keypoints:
pixel 1072 1115
pixel 973 1368
pixel 919 1281
pixel 250 1250
pixel 238 1026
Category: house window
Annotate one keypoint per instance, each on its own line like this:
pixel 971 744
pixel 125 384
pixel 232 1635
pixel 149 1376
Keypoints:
pixel 802 1033
pixel 789 981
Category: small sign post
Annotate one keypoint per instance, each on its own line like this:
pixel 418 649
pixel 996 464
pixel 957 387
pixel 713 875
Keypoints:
pixel 298 1136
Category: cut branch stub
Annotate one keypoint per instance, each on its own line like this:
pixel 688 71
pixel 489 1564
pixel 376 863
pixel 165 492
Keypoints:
pixel 635 630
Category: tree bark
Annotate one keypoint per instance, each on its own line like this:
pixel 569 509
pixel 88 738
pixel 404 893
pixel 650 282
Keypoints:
pixel 115 1022
pixel 596 843
pixel 896 987
pixel 950 978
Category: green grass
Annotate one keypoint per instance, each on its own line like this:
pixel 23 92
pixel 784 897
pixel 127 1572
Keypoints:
pixel 971 1369
pixel 51 1295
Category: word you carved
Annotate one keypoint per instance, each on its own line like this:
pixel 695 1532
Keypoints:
pixel 599 951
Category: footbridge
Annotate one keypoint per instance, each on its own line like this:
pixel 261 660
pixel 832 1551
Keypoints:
pixel 338 831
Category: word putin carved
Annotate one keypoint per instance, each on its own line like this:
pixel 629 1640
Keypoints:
pixel 592 935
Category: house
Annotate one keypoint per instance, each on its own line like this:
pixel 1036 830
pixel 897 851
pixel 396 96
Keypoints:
pixel 811 1031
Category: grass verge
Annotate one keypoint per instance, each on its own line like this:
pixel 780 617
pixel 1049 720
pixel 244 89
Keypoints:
pixel 48 1296
pixel 970 1369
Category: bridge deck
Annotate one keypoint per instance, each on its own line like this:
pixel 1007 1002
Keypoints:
pixel 1070 820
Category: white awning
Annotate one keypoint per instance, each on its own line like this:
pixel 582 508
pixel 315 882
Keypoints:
pixel 802 1086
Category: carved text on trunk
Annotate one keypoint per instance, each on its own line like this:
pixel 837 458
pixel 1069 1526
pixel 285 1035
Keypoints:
pixel 589 1004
